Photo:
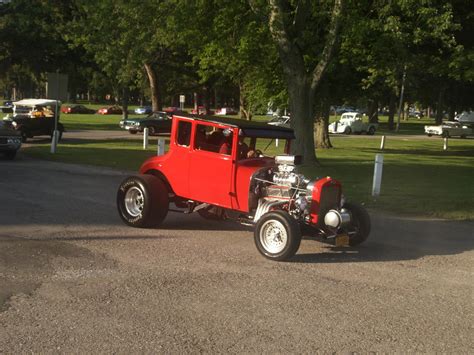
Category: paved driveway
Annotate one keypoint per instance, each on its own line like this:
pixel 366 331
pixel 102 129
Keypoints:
pixel 73 278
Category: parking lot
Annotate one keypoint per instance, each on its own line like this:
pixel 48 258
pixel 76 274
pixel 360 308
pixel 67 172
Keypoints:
pixel 74 278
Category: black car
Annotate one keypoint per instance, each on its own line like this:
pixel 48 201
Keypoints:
pixel 156 122
pixel 35 117
pixel 10 140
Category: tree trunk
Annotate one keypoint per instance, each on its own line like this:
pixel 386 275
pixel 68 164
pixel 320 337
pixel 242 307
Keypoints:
pixel 156 101
pixel 440 107
pixel 451 112
pixel 125 97
pixel 206 99
pixel 196 104
pixel 391 111
pixel 301 83
pixel 302 119
pixel 245 111
pixel 373 111
pixel 321 118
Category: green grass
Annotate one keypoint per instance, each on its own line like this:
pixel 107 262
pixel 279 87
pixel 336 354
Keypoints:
pixel 419 178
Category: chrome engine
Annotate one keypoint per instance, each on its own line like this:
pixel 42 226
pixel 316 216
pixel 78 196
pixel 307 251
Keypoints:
pixel 283 187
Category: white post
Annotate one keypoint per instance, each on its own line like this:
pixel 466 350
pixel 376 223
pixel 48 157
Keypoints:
pixel 445 144
pixel 145 138
pixel 382 143
pixel 161 146
pixel 276 142
pixel 54 141
pixel 377 174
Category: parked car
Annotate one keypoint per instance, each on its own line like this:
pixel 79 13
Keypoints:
pixel 415 113
pixel 144 110
pixel 226 111
pixel 283 121
pixel 465 117
pixel 213 167
pixel 351 122
pixel 156 122
pixel 10 140
pixel 35 117
pixel 110 110
pixel 172 110
pixel 80 109
pixel 201 110
pixel 449 129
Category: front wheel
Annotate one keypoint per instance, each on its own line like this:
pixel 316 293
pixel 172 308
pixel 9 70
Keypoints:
pixel 359 228
pixel 142 201
pixel 277 235
pixel 348 130
pixel 151 130
pixel 371 131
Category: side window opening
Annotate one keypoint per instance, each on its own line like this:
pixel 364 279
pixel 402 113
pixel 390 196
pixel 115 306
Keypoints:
pixel 184 133
pixel 211 139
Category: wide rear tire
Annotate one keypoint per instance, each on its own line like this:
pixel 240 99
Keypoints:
pixel 277 235
pixel 142 201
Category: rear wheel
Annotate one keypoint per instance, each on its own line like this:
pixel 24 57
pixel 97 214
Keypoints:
pixel 445 134
pixel 348 130
pixel 371 131
pixel 277 235
pixel 151 130
pixel 142 201
pixel 133 132
pixel 359 229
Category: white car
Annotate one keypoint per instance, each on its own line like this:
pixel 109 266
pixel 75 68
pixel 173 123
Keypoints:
pixel 465 117
pixel 282 121
pixel 449 129
pixel 351 122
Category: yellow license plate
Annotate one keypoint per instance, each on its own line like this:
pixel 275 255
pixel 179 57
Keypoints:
pixel 342 240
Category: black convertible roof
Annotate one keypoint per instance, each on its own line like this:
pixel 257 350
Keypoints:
pixel 249 128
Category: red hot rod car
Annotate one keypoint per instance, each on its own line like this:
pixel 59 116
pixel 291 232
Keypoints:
pixel 214 167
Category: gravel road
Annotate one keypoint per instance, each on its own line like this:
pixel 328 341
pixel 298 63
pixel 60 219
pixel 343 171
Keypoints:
pixel 74 279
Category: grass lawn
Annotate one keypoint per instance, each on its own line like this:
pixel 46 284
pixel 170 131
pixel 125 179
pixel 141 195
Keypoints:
pixel 419 178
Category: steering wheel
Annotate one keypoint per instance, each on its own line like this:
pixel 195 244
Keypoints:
pixel 258 153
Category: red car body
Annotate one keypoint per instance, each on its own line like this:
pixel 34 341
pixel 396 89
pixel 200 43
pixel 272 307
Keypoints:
pixel 110 110
pixel 225 182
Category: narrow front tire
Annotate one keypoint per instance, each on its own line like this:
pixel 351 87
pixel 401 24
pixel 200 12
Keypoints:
pixel 277 235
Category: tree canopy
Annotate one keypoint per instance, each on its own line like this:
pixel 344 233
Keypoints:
pixel 300 55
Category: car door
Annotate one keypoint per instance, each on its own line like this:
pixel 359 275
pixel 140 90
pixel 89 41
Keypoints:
pixel 211 167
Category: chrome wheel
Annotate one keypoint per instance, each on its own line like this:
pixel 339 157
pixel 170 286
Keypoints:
pixel 273 236
pixel 134 201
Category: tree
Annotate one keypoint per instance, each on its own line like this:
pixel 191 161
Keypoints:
pixel 305 49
